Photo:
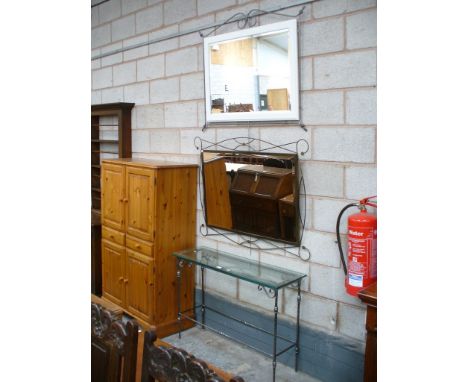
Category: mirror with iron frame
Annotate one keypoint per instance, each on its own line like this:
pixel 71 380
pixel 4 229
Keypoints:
pixel 252 74
pixel 253 193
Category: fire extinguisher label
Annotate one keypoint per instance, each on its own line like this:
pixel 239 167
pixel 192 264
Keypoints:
pixel 355 280
pixel 362 256
pixel 373 264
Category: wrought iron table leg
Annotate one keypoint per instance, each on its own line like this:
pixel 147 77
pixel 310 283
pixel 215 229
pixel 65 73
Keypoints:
pixel 203 296
pixel 297 323
pixel 194 309
pixel 275 333
pixel 179 314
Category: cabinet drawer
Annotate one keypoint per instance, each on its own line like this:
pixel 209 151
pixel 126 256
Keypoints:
pixel 140 246
pixel 113 235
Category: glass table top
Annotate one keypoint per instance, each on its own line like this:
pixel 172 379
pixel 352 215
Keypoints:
pixel 240 267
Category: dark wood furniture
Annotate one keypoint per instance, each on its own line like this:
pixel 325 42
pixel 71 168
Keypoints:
pixel 287 211
pixel 254 196
pixel 217 105
pixel 96 279
pixel 167 363
pixel 115 310
pixel 113 346
pixel 110 137
pixel 369 296
pixel 217 184
pixel 148 212
pixel 141 339
pixel 240 108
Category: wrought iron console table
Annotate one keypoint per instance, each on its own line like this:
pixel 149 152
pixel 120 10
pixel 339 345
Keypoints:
pixel 268 278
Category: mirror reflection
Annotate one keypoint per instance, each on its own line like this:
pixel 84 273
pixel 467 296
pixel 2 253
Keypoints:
pixel 250 74
pixel 252 193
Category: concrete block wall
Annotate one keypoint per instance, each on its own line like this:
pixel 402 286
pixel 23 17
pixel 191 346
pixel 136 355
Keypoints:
pixel 337 41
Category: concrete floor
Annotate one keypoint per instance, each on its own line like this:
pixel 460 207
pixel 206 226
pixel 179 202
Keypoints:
pixel 234 358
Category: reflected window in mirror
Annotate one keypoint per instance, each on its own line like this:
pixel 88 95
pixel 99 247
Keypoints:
pixel 251 75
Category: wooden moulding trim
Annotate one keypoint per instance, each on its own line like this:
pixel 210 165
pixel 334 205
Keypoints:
pixel 148 163
pixel 114 106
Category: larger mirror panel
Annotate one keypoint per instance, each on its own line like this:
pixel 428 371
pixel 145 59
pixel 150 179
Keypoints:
pixel 252 193
pixel 251 75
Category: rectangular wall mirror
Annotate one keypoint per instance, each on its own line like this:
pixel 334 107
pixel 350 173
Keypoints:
pixel 252 193
pixel 252 74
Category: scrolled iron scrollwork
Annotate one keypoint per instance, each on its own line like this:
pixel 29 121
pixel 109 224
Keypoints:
pixel 248 19
pixel 246 144
pixel 250 242
pixel 270 293
pixel 303 249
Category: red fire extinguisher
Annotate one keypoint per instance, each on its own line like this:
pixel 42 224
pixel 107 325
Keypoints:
pixel 362 247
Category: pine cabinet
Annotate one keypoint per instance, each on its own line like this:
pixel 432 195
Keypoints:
pixel 113 196
pixel 148 212
pixel 113 272
pixel 140 297
pixel 140 202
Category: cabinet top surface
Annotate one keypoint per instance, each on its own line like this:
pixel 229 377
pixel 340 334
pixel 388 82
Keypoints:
pixel 239 267
pixel 148 163
pixel 369 294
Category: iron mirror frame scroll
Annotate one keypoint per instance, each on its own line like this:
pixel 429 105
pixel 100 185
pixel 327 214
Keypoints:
pixel 250 240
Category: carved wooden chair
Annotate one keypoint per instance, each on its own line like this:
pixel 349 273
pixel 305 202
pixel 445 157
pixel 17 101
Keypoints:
pixel 113 347
pixel 170 364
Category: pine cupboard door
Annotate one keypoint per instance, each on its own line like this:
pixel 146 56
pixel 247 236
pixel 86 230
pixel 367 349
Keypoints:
pixel 113 272
pixel 140 204
pixel 140 286
pixel 113 196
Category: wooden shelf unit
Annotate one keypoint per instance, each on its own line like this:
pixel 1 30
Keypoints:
pixel 120 145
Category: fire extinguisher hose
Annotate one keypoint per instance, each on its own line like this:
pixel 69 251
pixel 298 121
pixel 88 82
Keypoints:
pixel 338 238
